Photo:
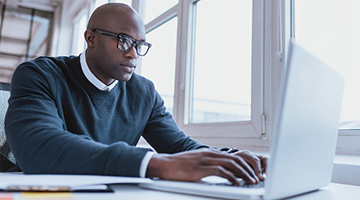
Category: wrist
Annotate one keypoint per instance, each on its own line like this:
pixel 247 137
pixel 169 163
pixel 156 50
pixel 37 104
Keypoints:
pixel 156 166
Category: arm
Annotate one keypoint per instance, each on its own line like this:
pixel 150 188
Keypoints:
pixel 163 134
pixel 40 141
pixel 194 165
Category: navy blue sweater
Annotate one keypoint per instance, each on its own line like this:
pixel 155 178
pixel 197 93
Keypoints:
pixel 58 122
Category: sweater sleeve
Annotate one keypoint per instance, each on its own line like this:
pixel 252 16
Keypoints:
pixel 162 132
pixel 40 142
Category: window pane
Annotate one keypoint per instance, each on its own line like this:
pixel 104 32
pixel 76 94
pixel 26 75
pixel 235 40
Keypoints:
pixel 330 30
pixel 18 43
pixel 222 69
pixel 15 32
pixel 156 7
pixel 159 64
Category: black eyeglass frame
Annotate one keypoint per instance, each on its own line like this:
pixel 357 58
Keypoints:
pixel 120 35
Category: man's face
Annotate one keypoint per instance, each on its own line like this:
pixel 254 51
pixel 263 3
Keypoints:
pixel 109 62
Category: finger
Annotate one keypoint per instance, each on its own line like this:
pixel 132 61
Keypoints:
pixel 264 161
pixel 254 161
pixel 248 170
pixel 222 172
pixel 235 165
pixel 249 174
pixel 240 169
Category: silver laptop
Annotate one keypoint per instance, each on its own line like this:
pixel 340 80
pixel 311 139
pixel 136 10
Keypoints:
pixel 305 132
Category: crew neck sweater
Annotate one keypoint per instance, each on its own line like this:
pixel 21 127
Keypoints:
pixel 59 123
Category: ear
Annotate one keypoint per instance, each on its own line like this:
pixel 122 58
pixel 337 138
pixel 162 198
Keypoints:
pixel 89 38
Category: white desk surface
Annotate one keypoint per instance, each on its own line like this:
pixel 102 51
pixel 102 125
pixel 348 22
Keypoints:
pixel 130 192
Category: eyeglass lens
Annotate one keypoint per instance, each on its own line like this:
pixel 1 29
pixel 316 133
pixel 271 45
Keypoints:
pixel 126 43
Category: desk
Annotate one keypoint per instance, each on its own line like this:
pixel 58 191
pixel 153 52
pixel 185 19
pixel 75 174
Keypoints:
pixel 131 192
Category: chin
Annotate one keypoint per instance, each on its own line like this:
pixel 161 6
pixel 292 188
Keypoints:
pixel 126 77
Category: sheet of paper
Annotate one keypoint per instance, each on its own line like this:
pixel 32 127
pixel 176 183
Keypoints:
pixel 73 181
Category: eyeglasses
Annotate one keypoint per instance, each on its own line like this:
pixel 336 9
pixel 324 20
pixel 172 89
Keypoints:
pixel 125 43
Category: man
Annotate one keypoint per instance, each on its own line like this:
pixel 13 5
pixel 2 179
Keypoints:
pixel 85 114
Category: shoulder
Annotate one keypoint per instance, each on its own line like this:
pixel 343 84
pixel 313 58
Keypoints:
pixel 46 66
pixel 47 63
pixel 43 71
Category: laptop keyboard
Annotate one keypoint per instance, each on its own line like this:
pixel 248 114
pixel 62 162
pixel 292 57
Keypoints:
pixel 243 184
pixel 248 185
pixel 215 180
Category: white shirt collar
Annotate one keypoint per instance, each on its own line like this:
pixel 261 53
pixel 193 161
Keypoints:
pixel 92 78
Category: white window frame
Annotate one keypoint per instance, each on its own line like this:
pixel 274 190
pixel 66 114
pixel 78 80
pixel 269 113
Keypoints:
pixel 244 134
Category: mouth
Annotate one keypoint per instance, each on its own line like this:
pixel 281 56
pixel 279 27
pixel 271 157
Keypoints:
pixel 129 67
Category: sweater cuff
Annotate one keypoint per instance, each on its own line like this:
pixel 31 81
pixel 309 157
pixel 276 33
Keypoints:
pixel 145 162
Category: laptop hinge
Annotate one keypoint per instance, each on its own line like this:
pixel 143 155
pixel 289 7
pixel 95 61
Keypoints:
pixel 263 124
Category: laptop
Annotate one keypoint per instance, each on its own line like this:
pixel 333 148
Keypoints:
pixel 305 134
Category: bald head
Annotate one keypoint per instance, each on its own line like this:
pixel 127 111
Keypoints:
pixel 116 17
pixel 105 60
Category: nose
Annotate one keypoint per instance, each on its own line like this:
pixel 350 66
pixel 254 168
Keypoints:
pixel 132 53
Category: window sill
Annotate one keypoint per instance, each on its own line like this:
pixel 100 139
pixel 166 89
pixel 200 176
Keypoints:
pixel 346 169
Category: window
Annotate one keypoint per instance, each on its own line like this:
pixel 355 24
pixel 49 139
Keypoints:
pixel 333 35
pixel 159 64
pixel 155 8
pixel 222 62
pixel 210 78
pixel 25 33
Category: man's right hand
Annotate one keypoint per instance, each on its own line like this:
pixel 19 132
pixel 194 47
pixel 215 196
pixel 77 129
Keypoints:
pixel 196 164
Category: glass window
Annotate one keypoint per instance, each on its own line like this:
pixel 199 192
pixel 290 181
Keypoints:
pixel 155 8
pixel 222 62
pixel 25 34
pixel 15 32
pixel 159 64
pixel 330 30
